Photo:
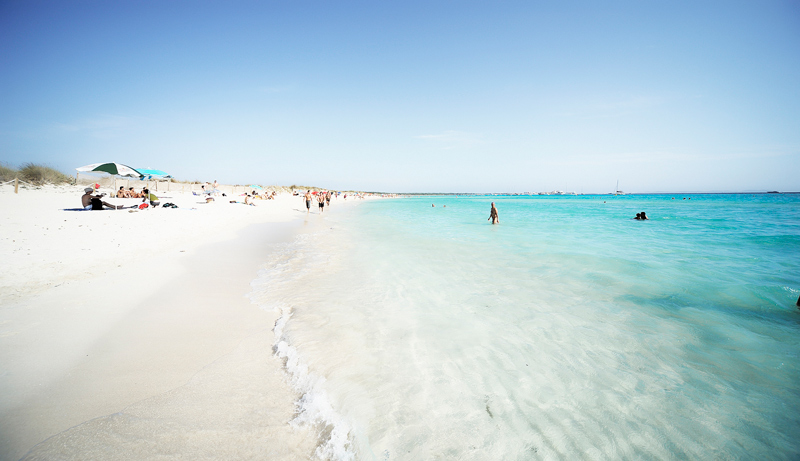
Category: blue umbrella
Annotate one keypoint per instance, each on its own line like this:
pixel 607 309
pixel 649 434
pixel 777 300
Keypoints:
pixel 151 173
pixel 254 186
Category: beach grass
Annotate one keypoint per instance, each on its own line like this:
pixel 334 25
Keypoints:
pixel 7 173
pixel 41 174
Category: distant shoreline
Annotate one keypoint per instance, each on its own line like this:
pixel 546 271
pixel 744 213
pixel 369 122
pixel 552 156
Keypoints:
pixel 601 194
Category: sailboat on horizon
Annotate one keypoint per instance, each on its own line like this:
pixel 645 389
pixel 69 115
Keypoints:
pixel 617 191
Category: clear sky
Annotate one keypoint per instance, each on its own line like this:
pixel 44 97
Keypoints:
pixel 429 96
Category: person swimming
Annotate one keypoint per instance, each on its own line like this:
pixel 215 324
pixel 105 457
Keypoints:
pixel 641 216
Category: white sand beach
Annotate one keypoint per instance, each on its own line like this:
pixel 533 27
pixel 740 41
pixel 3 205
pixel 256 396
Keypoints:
pixel 128 335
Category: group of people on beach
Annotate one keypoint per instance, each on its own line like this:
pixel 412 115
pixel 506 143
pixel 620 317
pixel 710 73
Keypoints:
pixel 323 198
pixel 89 201
pixel 130 193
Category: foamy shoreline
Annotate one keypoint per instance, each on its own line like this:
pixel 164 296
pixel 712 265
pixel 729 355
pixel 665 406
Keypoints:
pixel 129 335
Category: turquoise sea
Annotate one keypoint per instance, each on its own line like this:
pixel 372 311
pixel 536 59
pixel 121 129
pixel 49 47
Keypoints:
pixel 568 331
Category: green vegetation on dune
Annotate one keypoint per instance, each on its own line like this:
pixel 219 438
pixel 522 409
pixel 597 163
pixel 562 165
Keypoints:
pixel 7 173
pixel 37 174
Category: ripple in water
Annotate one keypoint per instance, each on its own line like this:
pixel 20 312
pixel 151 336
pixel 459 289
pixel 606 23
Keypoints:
pixel 568 331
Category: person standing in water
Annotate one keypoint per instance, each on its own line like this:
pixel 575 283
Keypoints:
pixel 493 215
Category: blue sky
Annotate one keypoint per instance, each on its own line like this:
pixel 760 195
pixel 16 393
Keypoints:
pixel 410 96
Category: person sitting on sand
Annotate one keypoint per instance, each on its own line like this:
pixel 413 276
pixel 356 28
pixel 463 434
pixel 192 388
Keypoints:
pixel 132 193
pixel 94 202
pixel 121 192
pixel 493 215
pixel 146 195
pixel 248 200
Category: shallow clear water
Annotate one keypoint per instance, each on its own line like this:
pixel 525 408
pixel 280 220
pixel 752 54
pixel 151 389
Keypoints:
pixel 568 331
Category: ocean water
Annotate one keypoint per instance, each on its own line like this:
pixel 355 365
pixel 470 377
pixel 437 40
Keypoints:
pixel 568 331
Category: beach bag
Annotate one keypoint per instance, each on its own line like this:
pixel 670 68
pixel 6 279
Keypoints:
pixel 143 206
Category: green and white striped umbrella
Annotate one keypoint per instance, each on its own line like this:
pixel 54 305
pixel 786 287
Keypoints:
pixel 112 168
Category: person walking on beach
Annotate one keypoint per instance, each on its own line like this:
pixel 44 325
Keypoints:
pixel 328 198
pixel 321 199
pixel 308 201
pixel 493 215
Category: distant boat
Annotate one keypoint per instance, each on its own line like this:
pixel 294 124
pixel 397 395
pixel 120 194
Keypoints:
pixel 773 192
pixel 618 192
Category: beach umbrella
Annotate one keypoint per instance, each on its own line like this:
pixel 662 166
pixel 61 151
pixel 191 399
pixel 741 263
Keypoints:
pixel 111 168
pixel 254 186
pixel 151 173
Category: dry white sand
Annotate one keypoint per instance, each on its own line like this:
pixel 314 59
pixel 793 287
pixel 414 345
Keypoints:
pixel 129 335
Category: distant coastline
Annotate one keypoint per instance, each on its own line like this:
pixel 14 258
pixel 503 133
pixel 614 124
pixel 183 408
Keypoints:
pixel 602 194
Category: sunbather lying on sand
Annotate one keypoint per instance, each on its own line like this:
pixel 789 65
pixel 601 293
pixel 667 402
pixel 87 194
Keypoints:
pixel 94 202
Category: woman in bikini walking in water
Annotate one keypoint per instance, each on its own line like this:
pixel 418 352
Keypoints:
pixel 493 215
